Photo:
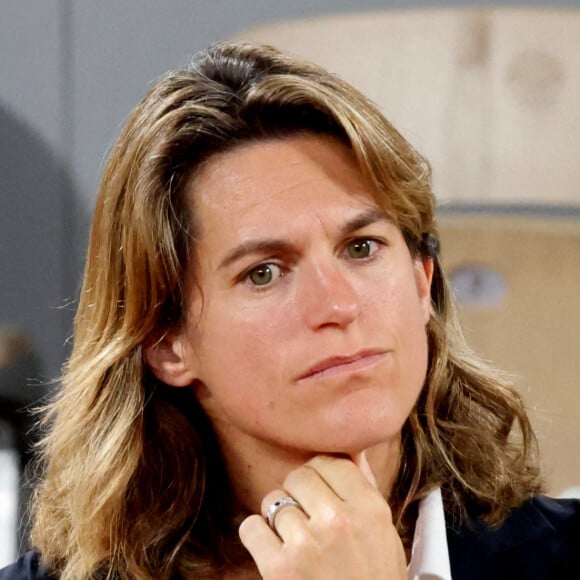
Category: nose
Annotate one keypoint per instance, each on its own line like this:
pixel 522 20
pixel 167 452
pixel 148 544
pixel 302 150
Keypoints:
pixel 327 297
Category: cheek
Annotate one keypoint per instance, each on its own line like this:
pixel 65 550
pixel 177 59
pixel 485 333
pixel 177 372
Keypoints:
pixel 239 349
pixel 236 329
pixel 414 346
pixel 406 312
pixel 413 324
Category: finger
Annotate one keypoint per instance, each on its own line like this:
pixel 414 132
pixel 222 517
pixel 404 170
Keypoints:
pixel 289 519
pixel 361 461
pixel 346 480
pixel 258 538
pixel 312 492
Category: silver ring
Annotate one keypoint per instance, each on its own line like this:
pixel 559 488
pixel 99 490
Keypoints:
pixel 275 507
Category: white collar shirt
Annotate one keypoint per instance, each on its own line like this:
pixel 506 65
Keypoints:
pixel 430 554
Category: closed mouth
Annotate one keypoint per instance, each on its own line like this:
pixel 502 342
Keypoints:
pixel 338 365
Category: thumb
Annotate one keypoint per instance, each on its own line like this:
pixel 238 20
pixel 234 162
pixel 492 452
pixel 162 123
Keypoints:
pixel 361 461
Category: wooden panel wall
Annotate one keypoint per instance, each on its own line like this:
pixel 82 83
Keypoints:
pixel 490 95
pixel 530 323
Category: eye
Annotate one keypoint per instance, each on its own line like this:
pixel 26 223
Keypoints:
pixel 263 274
pixel 361 248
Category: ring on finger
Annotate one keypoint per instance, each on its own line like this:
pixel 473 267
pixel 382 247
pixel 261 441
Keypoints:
pixel 275 507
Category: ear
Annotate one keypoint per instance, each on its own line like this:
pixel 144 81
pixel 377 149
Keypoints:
pixel 172 360
pixel 424 268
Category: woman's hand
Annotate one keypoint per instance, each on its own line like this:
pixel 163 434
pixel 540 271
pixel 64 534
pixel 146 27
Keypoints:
pixel 344 531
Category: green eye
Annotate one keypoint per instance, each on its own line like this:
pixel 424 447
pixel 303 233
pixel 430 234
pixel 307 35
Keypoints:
pixel 359 249
pixel 263 274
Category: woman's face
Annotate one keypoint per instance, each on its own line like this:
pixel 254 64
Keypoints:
pixel 307 328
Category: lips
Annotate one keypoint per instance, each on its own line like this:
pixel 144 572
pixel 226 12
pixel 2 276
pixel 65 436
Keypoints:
pixel 340 364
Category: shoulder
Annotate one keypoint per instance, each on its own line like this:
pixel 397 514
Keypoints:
pixel 540 516
pixel 544 517
pixel 564 514
pixel 27 567
pixel 540 539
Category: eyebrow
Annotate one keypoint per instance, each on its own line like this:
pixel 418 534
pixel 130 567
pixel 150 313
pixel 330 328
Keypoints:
pixel 274 245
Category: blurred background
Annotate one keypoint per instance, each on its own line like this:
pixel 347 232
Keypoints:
pixel 489 93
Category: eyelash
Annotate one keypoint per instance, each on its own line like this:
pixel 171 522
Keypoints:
pixel 376 245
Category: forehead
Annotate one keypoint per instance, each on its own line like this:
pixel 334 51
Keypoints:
pixel 288 177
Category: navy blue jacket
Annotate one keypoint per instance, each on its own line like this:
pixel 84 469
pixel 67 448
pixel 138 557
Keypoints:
pixel 538 541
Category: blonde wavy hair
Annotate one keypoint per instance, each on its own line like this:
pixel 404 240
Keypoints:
pixel 133 483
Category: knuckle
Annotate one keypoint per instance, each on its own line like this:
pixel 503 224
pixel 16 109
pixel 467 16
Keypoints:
pixel 339 521
pixel 302 542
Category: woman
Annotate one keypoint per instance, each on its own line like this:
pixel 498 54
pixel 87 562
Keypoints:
pixel 268 378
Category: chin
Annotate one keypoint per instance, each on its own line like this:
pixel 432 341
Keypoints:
pixel 371 424
pixel 352 440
